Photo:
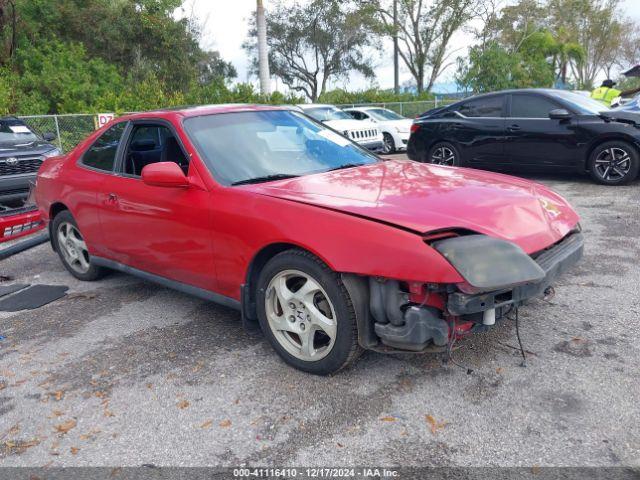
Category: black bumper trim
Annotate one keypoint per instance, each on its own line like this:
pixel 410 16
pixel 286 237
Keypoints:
pixel 554 262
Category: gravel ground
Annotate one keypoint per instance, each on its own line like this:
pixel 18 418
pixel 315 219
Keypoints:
pixel 123 372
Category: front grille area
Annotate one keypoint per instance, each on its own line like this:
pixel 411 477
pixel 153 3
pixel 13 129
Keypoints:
pixel 22 166
pixel 369 134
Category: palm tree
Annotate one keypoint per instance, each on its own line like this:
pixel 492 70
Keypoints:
pixel 263 54
pixel 566 52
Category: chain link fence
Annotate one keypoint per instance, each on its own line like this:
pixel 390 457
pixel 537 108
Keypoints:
pixel 68 130
pixel 406 109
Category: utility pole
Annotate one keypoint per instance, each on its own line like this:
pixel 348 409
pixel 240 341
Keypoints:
pixel 263 53
pixel 396 72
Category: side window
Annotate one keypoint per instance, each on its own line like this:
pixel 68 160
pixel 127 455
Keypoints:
pixel 152 144
pixel 531 106
pixel 356 115
pixel 102 154
pixel 483 107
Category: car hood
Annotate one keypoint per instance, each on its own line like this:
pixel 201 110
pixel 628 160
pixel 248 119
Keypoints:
pixel 401 125
pixel 624 114
pixel 8 149
pixel 342 125
pixel 425 198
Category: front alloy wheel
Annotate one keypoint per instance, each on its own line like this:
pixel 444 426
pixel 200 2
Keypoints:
pixel 301 315
pixel 388 145
pixel 306 313
pixel 614 163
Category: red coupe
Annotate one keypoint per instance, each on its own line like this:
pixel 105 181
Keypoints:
pixel 330 249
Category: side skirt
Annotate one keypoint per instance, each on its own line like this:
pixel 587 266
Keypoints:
pixel 166 282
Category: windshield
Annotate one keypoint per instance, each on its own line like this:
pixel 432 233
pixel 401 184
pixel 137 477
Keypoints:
pixel 582 104
pixel 384 114
pixel 14 131
pixel 323 114
pixel 241 146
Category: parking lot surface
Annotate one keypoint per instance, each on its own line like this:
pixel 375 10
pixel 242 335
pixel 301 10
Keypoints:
pixel 124 372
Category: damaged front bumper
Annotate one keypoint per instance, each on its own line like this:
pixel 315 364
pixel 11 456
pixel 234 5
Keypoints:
pixel 401 323
pixel 553 262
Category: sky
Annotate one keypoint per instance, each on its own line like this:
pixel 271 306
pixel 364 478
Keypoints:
pixel 225 25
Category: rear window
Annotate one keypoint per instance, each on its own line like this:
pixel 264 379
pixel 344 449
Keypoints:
pixel 482 107
pixel 102 154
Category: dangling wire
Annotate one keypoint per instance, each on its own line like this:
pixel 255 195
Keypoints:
pixel 452 341
pixel 524 355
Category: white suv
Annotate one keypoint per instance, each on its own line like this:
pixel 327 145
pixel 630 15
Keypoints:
pixel 366 134
pixel 395 128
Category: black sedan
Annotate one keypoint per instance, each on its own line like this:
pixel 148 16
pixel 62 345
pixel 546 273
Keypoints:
pixel 529 130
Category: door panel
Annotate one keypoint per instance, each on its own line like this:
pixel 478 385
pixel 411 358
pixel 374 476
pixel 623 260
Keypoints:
pixel 477 129
pixel 536 141
pixel 165 231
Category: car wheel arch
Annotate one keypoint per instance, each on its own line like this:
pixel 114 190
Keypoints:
pixel 255 266
pixel 55 209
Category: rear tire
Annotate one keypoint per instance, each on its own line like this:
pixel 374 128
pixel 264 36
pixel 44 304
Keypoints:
pixel 614 163
pixel 444 153
pixel 307 314
pixel 72 250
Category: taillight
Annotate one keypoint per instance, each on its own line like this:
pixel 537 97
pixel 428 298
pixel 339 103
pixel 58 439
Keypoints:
pixel 415 127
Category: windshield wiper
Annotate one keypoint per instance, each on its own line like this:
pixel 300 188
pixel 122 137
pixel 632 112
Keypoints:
pixel 265 178
pixel 346 165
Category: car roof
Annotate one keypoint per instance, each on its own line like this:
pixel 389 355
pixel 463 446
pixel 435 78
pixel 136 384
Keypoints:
pixel 201 110
pixel 550 91
pixel 364 109
pixel 315 105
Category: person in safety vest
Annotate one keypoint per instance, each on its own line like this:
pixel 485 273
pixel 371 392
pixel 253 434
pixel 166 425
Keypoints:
pixel 606 93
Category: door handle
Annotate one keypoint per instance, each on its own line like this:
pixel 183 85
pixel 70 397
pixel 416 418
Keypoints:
pixel 112 198
pixel 456 126
pixel 515 128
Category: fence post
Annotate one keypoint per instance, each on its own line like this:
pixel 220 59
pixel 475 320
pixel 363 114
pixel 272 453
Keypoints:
pixel 436 104
pixel 401 108
pixel 55 119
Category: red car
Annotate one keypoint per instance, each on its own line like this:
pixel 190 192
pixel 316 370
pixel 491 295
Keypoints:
pixel 330 249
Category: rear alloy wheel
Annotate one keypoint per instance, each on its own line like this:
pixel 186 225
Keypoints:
pixel 72 249
pixel 388 145
pixel 614 163
pixel 444 154
pixel 306 313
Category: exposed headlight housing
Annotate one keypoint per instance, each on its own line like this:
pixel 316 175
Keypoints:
pixel 52 153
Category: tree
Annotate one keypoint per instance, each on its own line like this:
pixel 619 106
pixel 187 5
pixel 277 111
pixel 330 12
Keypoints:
pixel 494 67
pixel 8 30
pixel 212 66
pixel 263 49
pixel 595 25
pixel 424 31
pixel 310 44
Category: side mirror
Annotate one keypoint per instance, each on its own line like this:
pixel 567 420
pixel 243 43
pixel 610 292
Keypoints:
pixel 49 137
pixel 559 114
pixel 164 174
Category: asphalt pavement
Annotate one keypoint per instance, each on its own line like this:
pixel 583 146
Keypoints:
pixel 124 372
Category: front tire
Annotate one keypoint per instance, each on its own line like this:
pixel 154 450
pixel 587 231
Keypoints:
pixel 444 153
pixel 614 163
pixel 72 249
pixel 306 313
pixel 388 144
